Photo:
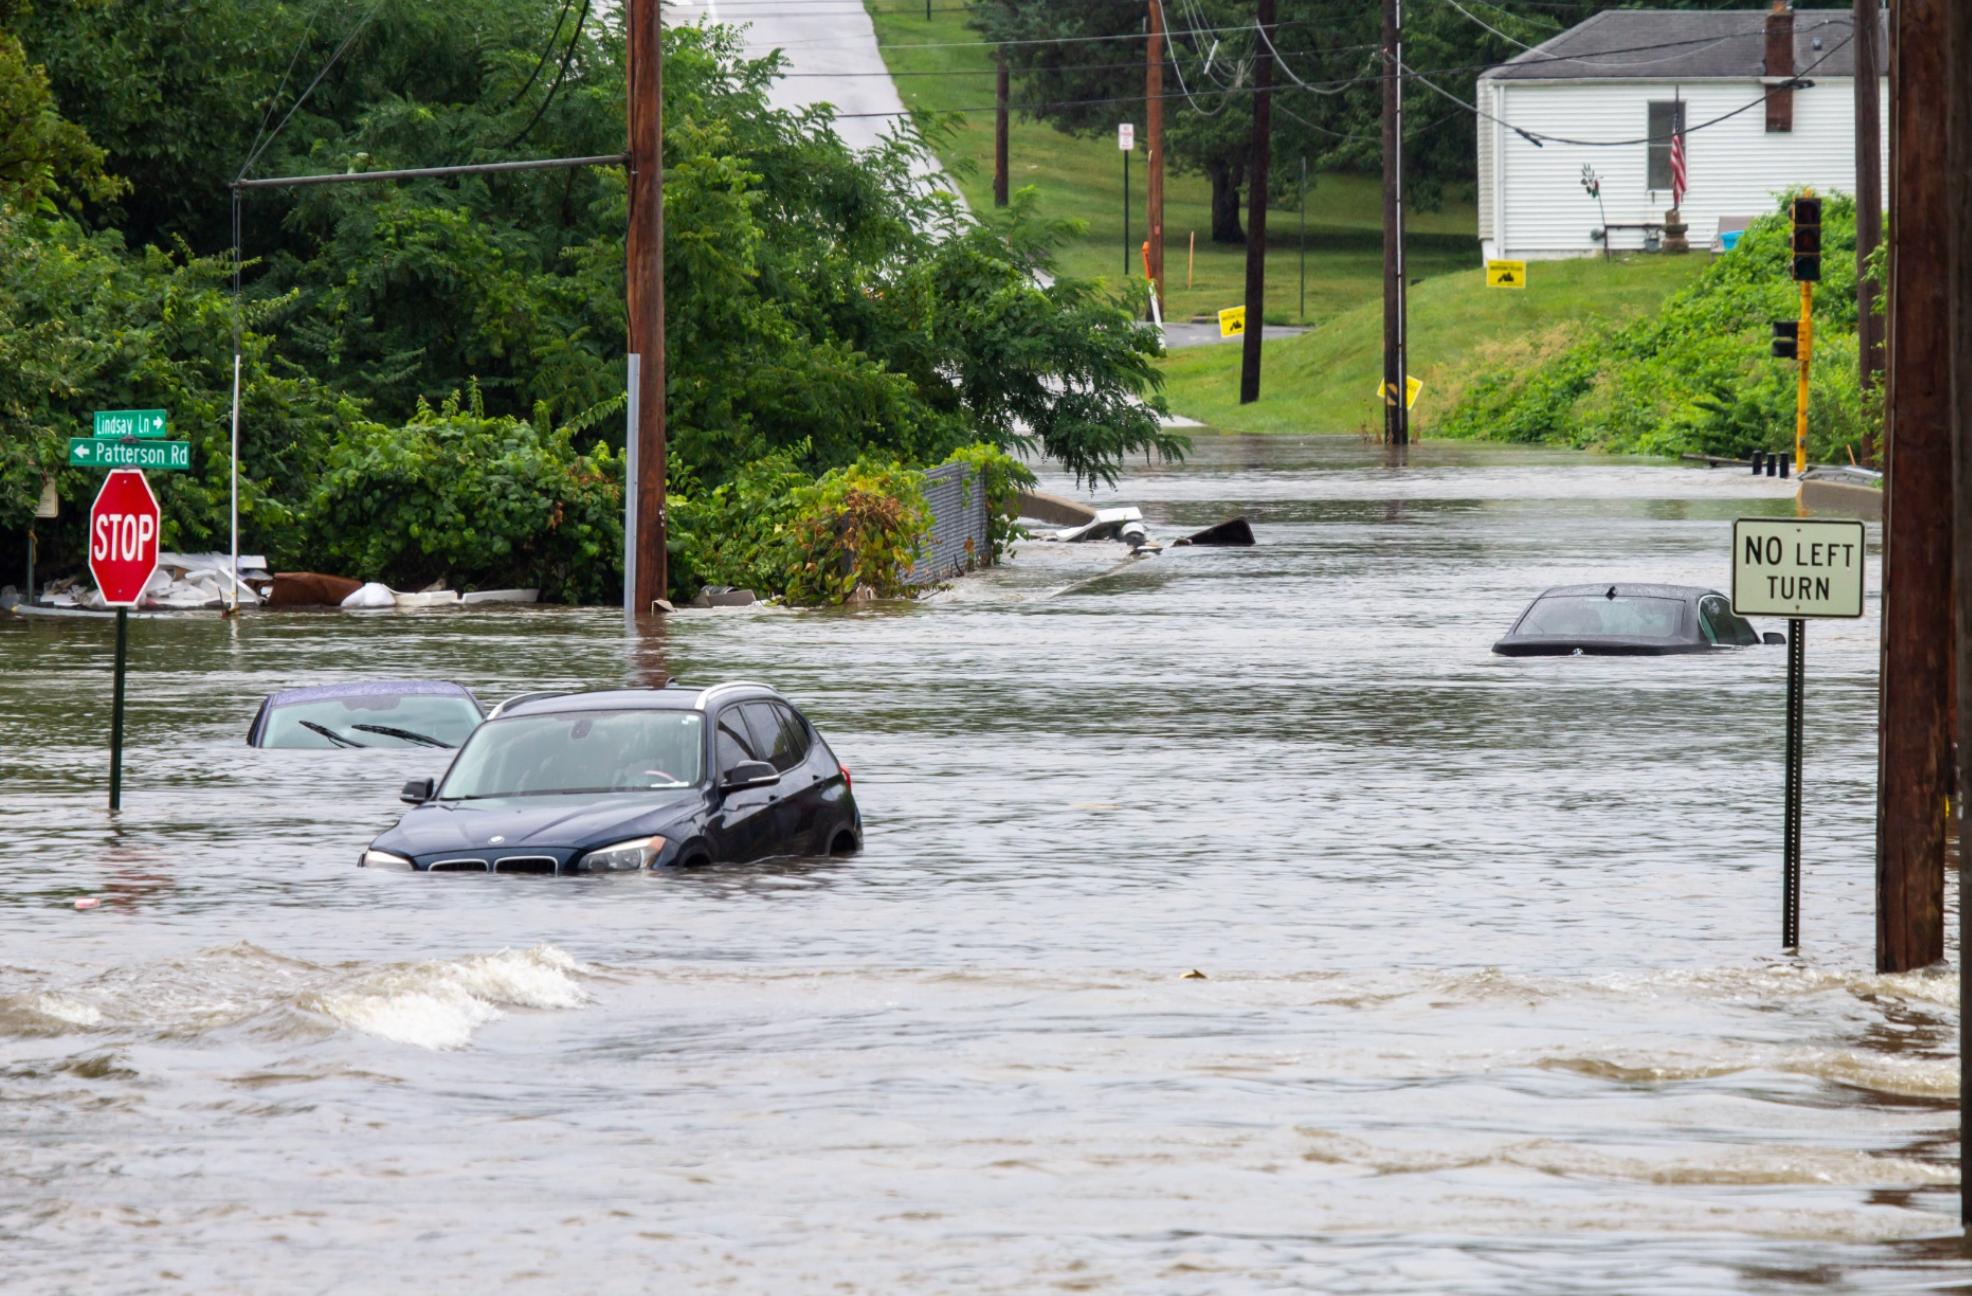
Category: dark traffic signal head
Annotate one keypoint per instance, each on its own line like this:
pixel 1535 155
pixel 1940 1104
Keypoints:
pixel 1786 339
pixel 1806 260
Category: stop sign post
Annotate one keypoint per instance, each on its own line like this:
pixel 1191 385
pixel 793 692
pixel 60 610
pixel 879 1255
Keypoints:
pixel 123 547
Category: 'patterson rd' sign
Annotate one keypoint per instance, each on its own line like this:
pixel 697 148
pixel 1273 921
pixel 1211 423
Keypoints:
pixel 1797 567
pixel 88 452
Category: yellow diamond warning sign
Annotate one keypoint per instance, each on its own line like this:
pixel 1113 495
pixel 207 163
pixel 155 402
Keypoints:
pixel 1412 387
pixel 1232 321
pixel 1506 274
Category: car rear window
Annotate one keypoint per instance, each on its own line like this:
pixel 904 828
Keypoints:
pixel 1599 616
pixel 373 720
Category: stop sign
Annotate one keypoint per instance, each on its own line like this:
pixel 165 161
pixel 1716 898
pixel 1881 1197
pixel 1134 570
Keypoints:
pixel 123 527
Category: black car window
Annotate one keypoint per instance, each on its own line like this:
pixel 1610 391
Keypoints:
pixel 774 734
pixel 735 744
pixel 796 733
pixel 1594 615
pixel 1716 619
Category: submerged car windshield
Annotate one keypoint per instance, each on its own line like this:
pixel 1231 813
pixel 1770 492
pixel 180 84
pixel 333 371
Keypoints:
pixel 581 751
pixel 373 720
pixel 1597 615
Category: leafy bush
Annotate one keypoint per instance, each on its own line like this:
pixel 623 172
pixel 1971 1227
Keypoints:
pixel 483 502
pixel 778 531
pixel 1697 376
pixel 860 525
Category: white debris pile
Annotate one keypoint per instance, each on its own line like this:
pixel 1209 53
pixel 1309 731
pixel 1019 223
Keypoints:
pixel 376 595
pixel 182 582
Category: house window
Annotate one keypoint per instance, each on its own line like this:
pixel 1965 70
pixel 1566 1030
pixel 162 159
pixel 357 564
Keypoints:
pixel 1666 120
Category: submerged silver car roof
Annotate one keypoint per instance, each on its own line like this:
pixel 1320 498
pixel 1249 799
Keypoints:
pixel 672 697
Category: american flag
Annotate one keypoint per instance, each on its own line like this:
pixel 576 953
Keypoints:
pixel 1679 180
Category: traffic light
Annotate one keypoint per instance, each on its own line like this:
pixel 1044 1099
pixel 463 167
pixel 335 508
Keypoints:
pixel 1786 339
pixel 1807 240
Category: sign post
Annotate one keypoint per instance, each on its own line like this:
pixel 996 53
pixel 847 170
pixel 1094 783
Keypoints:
pixel 1800 569
pixel 123 548
pixel 1126 140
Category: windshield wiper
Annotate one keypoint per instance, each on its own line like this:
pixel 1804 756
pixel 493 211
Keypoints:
pixel 406 734
pixel 332 735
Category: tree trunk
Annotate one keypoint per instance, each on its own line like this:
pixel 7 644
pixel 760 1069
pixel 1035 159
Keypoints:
pixel 1225 203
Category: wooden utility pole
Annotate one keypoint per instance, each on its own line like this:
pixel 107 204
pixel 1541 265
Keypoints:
pixel 1154 128
pixel 645 274
pixel 1256 207
pixel 1913 772
pixel 1958 62
pixel 1869 194
pixel 1000 126
pixel 1396 414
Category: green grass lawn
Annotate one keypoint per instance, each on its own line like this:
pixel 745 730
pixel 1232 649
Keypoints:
pixel 1082 179
pixel 1326 380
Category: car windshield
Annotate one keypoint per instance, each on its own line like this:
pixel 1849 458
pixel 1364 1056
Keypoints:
pixel 1596 615
pixel 581 751
pixel 373 720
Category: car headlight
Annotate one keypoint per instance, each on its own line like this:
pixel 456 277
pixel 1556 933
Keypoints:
pixel 624 857
pixel 376 859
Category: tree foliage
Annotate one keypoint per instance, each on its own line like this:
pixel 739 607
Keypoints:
pixel 824 305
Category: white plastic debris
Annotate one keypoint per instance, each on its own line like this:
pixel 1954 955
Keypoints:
pixel 372 595
pixel 502 596
pixel 425 598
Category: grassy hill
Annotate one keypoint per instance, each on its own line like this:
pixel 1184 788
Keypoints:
pixel 1326 380
pixel 1082 179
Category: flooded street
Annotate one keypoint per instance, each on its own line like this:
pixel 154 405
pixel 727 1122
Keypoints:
pixel 1493 1000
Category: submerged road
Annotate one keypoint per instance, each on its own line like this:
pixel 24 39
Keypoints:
pixel 1492 999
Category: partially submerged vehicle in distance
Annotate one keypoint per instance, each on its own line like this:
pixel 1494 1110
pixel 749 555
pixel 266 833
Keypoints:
pixel 1626 620
pixel 368 713
pixel 624 780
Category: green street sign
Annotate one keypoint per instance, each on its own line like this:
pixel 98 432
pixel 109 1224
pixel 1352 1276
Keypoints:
pixel 130 423
pixel 87 452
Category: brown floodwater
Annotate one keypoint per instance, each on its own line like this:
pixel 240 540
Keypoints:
pixel 1492 997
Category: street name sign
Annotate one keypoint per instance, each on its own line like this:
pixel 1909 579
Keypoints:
pixel 1506 274
pixel 123 537
pixel 1797 567
pixel 88 452
pixel 130 423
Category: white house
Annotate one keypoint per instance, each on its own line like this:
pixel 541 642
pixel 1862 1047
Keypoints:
pixel 1766 101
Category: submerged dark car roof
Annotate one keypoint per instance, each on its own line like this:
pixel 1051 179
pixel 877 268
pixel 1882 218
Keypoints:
pixel 672 697
pixel 369 688
pixel 1626 589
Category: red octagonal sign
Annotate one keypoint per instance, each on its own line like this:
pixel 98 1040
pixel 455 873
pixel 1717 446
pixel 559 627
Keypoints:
pixel 123 528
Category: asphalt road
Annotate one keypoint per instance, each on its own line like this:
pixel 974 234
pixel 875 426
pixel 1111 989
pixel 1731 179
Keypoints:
pixel 831 57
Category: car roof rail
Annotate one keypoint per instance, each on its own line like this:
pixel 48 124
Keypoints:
pixel 519 698
pixel 707 694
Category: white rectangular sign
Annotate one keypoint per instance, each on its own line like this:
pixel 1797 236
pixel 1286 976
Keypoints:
pixel 1126 136
pixel 1797 567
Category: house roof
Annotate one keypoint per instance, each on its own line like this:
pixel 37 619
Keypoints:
pixel 1683 45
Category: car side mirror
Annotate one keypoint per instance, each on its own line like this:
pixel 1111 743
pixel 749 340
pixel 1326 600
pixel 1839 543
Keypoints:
pixel 749 774
pixel 416 792
pixel 1773 636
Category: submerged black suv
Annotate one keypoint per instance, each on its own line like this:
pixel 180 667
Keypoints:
pixel 628 779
